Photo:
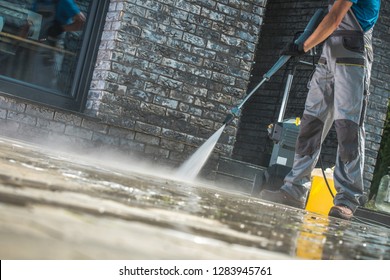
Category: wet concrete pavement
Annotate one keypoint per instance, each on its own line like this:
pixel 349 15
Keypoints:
pixel 59 205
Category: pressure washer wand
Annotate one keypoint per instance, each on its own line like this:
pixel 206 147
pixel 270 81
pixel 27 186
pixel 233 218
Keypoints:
pixel 235 112
pixel 311 26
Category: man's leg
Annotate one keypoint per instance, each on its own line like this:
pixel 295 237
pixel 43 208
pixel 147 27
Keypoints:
pixel 348 178
pixel 350 107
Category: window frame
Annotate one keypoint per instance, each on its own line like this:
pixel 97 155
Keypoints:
pixel 77 97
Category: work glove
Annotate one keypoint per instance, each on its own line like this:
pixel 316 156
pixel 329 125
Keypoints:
pixel 293 49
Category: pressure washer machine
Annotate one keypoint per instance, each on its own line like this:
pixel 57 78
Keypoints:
pixel 284 134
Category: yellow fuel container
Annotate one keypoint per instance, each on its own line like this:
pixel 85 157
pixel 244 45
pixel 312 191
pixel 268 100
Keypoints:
pixel 320 199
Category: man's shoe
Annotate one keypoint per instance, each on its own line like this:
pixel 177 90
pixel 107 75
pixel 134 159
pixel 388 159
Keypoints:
pixel 282 197
pixel 341 211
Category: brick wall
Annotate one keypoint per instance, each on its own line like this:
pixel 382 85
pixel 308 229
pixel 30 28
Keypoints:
pixel 380 90
pixel 166 74
pixel 170 70
pixel 283 19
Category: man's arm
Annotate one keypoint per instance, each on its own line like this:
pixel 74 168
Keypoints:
pixel 329 24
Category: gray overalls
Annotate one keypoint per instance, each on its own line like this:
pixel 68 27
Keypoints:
pixel 338 92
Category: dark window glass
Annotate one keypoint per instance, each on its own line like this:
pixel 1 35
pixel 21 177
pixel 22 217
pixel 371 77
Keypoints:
pixel 44 48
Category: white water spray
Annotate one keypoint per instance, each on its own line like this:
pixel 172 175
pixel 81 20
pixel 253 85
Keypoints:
pixel 191 167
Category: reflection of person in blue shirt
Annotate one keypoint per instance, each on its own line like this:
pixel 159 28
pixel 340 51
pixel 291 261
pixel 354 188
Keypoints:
pixel 58 17
pixel 68 17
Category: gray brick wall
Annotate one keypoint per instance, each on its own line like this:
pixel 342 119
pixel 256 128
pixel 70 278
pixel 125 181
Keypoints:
pixel 283 19
pixel 380 90
pixel 170 70
pixel 166 74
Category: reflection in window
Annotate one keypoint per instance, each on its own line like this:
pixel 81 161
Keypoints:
pixel 40 41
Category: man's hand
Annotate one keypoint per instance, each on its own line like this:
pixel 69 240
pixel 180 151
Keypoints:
pixel 293 49
pixel 77 24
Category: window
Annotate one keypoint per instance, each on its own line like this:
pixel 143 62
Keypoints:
pixel 48 48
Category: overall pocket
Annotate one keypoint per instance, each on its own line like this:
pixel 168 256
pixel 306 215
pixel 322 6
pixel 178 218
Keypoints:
pixel 354 43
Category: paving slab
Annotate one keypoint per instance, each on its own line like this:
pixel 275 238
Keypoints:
pixel 57 204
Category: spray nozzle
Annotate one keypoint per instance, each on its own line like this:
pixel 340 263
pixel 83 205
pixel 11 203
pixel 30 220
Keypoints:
pixel 234 112
pixel 228 119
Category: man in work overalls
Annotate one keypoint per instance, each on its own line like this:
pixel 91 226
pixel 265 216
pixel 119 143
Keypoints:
pixel 338 93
